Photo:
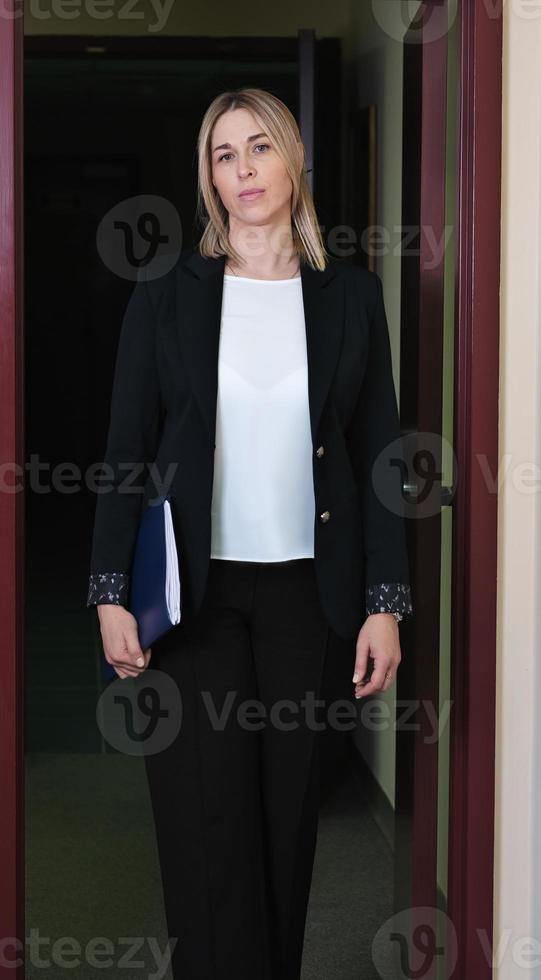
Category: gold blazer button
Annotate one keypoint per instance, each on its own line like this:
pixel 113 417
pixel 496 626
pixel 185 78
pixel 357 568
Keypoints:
pixel 319 451
pixel 324 517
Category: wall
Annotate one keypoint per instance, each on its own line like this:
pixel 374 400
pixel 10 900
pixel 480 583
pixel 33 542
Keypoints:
pixel 517 873
pixel 374 62
pixel 214 18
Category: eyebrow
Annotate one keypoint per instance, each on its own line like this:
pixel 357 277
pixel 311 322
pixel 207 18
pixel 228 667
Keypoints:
pixel 249 139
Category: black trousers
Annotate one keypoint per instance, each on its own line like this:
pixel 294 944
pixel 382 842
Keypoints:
pixel 235 797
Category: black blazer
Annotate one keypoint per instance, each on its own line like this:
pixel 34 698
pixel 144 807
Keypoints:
pixel 163 412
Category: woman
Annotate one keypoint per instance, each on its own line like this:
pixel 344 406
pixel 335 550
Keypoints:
pixel 258 372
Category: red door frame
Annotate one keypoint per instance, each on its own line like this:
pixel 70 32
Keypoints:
pixel 11 503
pixel 476 431
pixel 474 578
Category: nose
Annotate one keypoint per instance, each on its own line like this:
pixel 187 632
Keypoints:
pixel 246 169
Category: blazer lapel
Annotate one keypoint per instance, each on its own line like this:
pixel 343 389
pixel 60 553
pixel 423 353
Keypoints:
pixel 199 302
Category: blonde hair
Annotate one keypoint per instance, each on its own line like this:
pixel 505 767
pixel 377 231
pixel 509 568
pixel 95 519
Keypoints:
pixel 281 126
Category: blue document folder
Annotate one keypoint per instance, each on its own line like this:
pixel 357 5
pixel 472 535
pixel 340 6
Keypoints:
pixel 155 595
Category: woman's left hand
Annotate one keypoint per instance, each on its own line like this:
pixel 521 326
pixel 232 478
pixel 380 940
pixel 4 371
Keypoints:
pixel 378 637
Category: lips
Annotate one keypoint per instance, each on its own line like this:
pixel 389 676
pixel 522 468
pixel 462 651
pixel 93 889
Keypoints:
pixel 250 194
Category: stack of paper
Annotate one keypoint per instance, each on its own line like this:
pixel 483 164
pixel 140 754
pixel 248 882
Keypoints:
pixel 172 576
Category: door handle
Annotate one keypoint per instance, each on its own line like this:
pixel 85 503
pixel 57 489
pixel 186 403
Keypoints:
pixel 411 491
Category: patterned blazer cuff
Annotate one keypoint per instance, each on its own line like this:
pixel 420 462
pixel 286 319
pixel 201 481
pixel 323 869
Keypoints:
pixel 389 597
pixel 108 587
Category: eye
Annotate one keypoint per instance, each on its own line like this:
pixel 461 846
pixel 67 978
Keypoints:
pixel 256 146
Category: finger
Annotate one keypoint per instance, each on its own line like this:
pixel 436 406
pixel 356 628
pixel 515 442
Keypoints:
pixel 364 690
pixel 387 682
pixel 136 657
pixel 374 684
pixel 119 659
pixel 361 660
pixel 133 655
pixel 126 669
pixel 146 657
pixel 132 669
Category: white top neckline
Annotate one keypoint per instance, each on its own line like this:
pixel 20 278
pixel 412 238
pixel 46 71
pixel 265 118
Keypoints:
pixel 251 279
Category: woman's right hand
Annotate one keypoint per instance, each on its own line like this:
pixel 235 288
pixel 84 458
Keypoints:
pixel 120 640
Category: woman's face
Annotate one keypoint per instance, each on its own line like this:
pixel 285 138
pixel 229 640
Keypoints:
pixel 245 163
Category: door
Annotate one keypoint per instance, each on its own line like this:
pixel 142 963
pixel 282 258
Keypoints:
pixel 475 429
pixel 449 415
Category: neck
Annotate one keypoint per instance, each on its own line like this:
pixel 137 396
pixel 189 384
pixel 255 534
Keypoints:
pixel 267 251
